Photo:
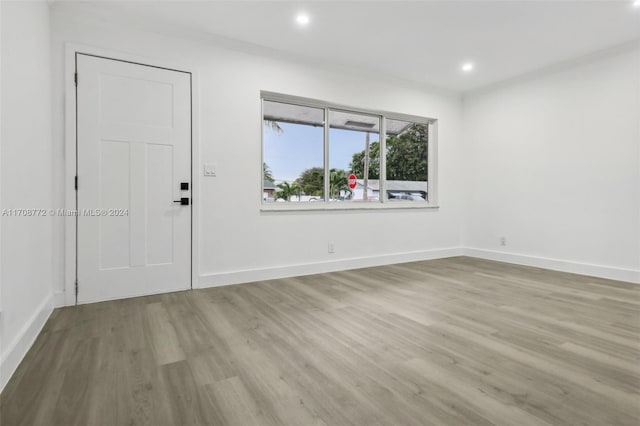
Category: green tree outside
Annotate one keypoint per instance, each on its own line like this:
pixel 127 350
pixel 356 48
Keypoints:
pixel 406 156
pixel 339 181
pixel 267 174
pixel 284 191
pixel 312 181
pixel 357 162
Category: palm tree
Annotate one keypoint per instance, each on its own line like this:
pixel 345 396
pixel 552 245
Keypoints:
pixel 338 182
pixel 273 125
pixel 285 191
pixel 296 189
pixel 267 174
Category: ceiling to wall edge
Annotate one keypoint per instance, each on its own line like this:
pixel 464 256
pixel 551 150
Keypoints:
pixel 623 48
pixel 235 45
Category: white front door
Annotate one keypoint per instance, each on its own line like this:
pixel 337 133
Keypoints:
pixel 134 152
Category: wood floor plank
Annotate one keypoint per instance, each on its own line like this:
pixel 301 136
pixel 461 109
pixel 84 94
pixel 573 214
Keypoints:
pixel 162 334
pixel 458 341
pixel 236 404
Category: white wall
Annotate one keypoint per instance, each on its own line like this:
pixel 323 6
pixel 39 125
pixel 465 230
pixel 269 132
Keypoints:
pixel 237 241
pixel 26 157
pixel 553 165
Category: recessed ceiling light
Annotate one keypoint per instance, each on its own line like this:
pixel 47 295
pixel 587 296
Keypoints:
pixel 302 19
pixel 467 67
pixel 636 3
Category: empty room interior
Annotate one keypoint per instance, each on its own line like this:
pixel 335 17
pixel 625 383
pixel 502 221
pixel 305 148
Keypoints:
pixel 320 213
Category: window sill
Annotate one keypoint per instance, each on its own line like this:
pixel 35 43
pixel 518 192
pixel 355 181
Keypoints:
pixel 321 206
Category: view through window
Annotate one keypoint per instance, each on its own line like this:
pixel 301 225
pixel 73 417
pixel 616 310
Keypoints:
pixel 407 161
pixel 293 153
pixel 352 141
pixel 360 167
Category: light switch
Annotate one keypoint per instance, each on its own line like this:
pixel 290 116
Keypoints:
pixel 210 169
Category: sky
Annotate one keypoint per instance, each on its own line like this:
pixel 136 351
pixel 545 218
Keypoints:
pixel 300 147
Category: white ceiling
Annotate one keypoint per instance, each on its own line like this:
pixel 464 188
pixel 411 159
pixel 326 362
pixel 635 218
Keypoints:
pixel 424 42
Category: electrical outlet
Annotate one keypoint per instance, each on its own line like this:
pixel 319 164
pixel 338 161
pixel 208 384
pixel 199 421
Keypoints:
pixel 503 241
pixel 331 248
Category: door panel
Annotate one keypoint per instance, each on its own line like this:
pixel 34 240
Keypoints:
pixel 114 230
pixel 134 149
pixel 159 185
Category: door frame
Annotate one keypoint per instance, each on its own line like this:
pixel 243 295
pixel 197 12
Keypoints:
pixel 68 298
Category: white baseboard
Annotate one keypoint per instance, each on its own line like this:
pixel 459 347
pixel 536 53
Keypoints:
pixel 14 352
pixel 250 275
pixel 620 274
pixel 244 276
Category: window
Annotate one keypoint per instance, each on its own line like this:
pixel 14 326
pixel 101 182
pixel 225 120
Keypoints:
pixel 407 161
pixel 319 155
pixel 352 140
pixel 293 153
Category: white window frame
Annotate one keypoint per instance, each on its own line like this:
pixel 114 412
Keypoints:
pixel 383 203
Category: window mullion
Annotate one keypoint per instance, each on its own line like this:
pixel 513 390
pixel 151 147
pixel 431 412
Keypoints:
pixel 382 146
pixel 432 164
pixel 327 184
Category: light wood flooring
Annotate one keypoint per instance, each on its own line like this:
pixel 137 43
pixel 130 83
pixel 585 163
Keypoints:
pixel 456 341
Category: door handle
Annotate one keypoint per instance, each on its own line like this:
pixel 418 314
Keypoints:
pixel 184 201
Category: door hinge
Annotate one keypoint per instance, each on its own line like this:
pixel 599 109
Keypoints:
pixel 75 79
pixel 75 182
pixel 76 288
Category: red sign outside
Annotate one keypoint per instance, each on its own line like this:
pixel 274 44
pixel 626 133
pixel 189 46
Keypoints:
pixel 353 181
